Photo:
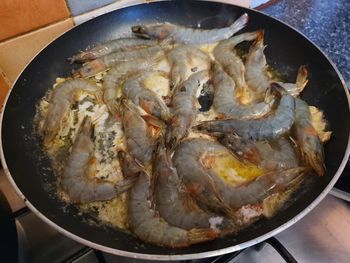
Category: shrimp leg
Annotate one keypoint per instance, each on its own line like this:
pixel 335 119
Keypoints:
pixel 144 221
pixel 307 138
pixel 276 124
pixel 185 35
pixel 75 179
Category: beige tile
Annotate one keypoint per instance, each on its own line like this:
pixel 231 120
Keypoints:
pixel 18 16
pixel 17 52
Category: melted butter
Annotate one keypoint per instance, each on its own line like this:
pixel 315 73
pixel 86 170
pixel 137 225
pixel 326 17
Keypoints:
pixel 158 83
pixel 231 170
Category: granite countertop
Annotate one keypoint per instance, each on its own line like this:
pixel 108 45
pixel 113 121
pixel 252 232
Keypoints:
pixel 326 23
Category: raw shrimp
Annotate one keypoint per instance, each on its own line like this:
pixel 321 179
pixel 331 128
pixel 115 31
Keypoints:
pixel 226 102
pixel 272 155
pixel 77 179
pixel 225 54
pixel 116 75
pixel 184 108
pixel 100 64
pixel 208 188
pixel 179 59
pixel 147 99
pixel 143 219
pixel 307 138
pixel 140 138
pixel 276 124
pixel 120 44
pixel 171 195
pixel 197 178
pixel 185 35
pixel 256 75
pixel 61 99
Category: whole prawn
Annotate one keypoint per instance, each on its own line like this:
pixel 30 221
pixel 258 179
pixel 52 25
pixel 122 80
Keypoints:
pixel 120 44
pixel 143 219
pixel 211 191
pixel 103 63
pixel 305 134
pixel 226 55
pixel 116 75
pixel 179 59
pixel 171 195
pixel 226 102
pixel 140 137
pixel 77 177
pixel 276 124
pixel 256 74
pixel 60 101
pixel 134 90
pixel 184 110
pixel 186 35
pixel 276 154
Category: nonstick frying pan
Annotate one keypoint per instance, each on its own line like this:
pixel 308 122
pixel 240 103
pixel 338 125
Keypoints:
pixel 29 169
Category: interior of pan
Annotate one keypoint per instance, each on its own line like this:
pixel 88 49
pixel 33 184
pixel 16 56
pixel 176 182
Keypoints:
pixel 286 50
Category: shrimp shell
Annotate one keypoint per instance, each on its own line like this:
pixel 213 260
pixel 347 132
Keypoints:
pixel 276 124
pixel 309 143
pixel 135 91
pixel 185 35
pixel 272 155
pixel 116 75
pixel 184 108
pixel 174 203
pixel 61 99
pixel 143 219
pixel 226 102
pixel 207 187
pixel 120 44
pixel 139 138
pixel 225 54
pixel 179 58
pixel 100 64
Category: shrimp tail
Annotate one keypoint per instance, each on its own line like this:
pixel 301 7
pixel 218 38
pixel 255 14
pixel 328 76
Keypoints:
pixel 316 160
pixel 201 235
pixel 240 23
pixel 302 79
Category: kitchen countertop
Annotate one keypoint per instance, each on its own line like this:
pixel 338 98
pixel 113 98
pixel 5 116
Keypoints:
pixel 326 23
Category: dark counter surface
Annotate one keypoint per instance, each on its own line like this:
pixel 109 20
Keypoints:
pixel 326 23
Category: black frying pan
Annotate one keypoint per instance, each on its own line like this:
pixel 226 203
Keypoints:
pixel 29 169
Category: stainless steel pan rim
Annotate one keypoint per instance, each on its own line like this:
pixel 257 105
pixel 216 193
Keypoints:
pixel 191 255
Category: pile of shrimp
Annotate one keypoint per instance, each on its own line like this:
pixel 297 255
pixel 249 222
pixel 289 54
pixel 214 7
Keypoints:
pixel 188 171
